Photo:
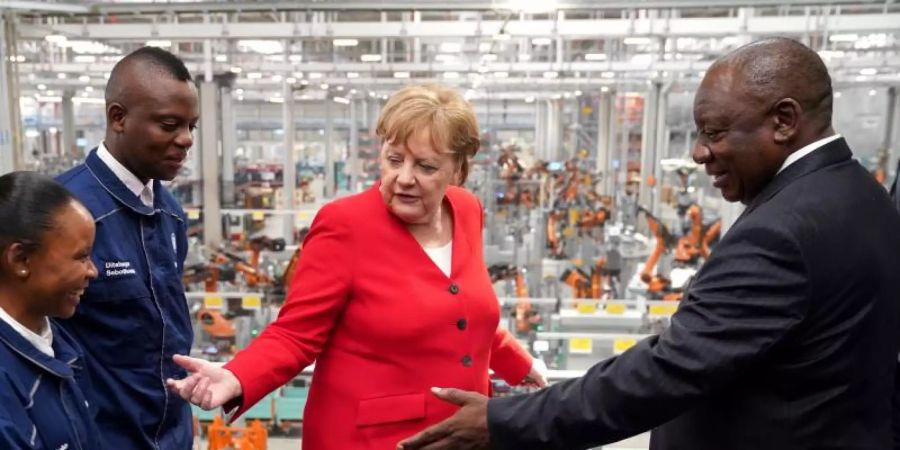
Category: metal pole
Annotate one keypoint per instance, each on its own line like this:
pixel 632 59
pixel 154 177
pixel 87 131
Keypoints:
pixel 209 153
pixel 354 149
pixel 289 168
pixel 329 156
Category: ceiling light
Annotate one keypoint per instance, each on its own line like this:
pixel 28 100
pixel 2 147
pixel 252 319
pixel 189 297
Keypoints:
pixel 446 58
pixel 345 42
pixel 483 69
pixel 254 76
pixel 529 99
pixel 342 100
pixel 57 39
pixel 276 78
pixel 489 57
pixel 370 58
pixel 849 37
pixel 275 58
pixel 837 95
pixel 556 96
pixel 324 86
pixel 85 59
pixel 384 97
pixel 566 95
pixel 551 74
pixel 484 47
pixel 261 46
pixel 275 100
pixel 353 91
pixel 20 58
pixel 221 58
pixel 84 79
pixel 501 74
pixel 106 75
pixel 604 89
pixel 295 58
pixel 829 54
pixel 530 6
pixel 873 92
pixel 868 71
pixel 352 74
pixel 608 74
pixel 862 78
pixel 315 75
pixel 595 57
pixel 451 75
pixel 372 94
pixel 42 87
pixel 541 41
pixel 304 83
pixel 61 76
pixel 636 41
pixel 236 69
pixel 88 89
pixel 502 37
pixel 401 74
pixel 339 89
pixel 577 93
pixel 524 57
pixel 298 75
pixel 160 44
pixel 450 47
pixel 239 91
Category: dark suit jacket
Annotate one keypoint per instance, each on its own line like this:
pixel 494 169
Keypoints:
pixel 787 338
pixel 895 194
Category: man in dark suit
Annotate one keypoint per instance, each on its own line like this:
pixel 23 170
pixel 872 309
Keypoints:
pixel 788 336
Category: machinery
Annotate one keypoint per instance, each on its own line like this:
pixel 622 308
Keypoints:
pixel 527 318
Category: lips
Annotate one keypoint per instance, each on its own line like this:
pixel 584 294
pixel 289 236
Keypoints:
pixel 406 198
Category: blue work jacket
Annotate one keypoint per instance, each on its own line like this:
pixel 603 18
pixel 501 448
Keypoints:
pixel 134 316
pixel 42 398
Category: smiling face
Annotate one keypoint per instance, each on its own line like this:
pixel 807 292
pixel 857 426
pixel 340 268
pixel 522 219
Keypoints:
pixel 415 176
pixel 736 136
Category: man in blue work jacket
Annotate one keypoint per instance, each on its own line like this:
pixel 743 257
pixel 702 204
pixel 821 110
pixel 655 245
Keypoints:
pixel 134 316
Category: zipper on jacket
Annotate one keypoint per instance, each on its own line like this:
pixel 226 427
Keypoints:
pixel 162 354
pixel 62 398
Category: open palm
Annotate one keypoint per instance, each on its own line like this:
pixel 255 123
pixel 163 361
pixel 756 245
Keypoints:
pixel 208 386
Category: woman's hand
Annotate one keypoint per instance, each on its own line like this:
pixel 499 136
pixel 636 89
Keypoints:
pixel 538 374
pixel 208 386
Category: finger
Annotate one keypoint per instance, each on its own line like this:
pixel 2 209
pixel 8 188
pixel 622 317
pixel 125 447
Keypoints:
pixel 207 403
pixel 451 395
pixel 187 386
pixel 199 391
pixel 188 363
pixel 428 436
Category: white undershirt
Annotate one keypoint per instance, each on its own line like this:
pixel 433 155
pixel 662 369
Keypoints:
pixel 43 342
pixel 796 156
pixel 143 191
pixel 441 256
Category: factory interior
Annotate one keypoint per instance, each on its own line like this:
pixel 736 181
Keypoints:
pixel 595 215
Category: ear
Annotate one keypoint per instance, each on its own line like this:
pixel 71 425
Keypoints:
pixel 16 258
pixel 115 117
pixel 786 114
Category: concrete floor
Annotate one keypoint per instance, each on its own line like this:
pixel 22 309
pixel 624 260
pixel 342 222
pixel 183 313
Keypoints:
pixel 640 442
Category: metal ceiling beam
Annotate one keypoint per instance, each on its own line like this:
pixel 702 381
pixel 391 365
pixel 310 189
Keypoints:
pixel 587 29
pixel 45 8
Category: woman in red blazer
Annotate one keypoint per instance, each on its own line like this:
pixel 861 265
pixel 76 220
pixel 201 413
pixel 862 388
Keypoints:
pixel 391 296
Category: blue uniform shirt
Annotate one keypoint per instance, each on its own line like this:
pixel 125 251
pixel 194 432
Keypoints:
pixel 42 398
pixel 134 316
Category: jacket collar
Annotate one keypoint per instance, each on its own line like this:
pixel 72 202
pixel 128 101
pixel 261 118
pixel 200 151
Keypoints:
pixel 832 153
pixel 119 191
pixel 60 366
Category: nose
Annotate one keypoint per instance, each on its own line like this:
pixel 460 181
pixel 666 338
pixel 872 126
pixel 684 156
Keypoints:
pixel 701 153
pixel 92 270
pixel 185 138
pixel 405 176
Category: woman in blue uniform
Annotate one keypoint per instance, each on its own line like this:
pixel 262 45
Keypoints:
pixel 45 246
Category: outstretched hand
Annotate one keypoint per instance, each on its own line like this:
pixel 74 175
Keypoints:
pixel 465 430
pixel 208 386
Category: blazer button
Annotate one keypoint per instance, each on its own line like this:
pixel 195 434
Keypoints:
pixel 461 324
pixel 467 361
pixel 454 289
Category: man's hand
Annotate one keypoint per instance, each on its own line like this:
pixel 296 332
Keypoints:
pixel 465 430
pixel 208 386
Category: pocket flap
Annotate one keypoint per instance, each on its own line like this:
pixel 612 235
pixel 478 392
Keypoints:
pixel 395 408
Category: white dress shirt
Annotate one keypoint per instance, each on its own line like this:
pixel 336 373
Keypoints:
pixel 794 157
pixel 43 341
pixel 442 256
pixel 141 190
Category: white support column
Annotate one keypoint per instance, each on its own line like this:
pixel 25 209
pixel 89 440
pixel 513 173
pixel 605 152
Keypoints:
pixel 661 148
pixel 540 139
pixel 554 109
pixel 289 167
pixel 648 144
pixel 892 131
pixel 353 162
pixel 209 154
pixel 329 148
pixel 10 142
pixel 611 172
pixel 229 144
pixel 68 124
pixel 601 164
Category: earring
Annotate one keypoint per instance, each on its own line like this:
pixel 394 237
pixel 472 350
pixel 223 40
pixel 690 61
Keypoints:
pixel 23 272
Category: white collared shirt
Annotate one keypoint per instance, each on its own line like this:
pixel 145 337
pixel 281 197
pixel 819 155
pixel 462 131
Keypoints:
pixel 794 157
pixel 131 181
pixel 43 341
pixel 442 256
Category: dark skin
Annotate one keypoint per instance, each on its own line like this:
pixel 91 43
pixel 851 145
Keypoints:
pixel 47 281
pixel 150 121
pixel 742 138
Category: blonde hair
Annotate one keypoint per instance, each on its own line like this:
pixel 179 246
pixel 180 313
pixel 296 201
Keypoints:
pixel 451 120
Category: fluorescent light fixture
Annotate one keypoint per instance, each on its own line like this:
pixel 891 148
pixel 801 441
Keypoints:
pixel 52 130
pixel 159 43
pixel 61 76
pixel 451 75
pixel 342 100
pixel 339 89
pixel 444 58
pixel 566 95
pixel 239 91
pixel 261 46
pixel 556 96
pixel 551 74
pixel 324 86
pixel 469 95
pixel 595 57
pixel 57 39
pixel 873 92
pixel 634 40
pixel 352 74
pixel 502 37
pixel 274 58
pixel 345 42
pixel 49 99
pixel 501 74
pixel 524 57
pixel 384 97
pixel 304 83
pixel 608 74
pixel 240 98
pixel 298 75
pixel 370 57
pixel 529 99
pixel 353 91
pixel 254 76
pixel 88 89
pixel 862 78
pixel 291 80
pixel 85 59
pixel 541 41
pixel 84 79
pixel 489 57
pixel 20 58
pixel 868 71
pixel 401 75
pixel 577 93
pixel 315 75
pixel 32 133
pixel 91 47
pixel 275 100
pixel 42 87
pixel 847 37
pixel 91 100
pixel 236 69
pixel 295 58
pixel 277 78
pixel 372 94
pixel 829 54
pixel 484 47
pixel 450 47
pixel 604 89
pixel 837 94
pixel 221 58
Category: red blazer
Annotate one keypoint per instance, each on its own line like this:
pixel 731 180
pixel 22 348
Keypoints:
pixel 383 325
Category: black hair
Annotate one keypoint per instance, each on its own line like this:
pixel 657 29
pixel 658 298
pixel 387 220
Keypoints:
pixel 28 203
pixel 156 59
